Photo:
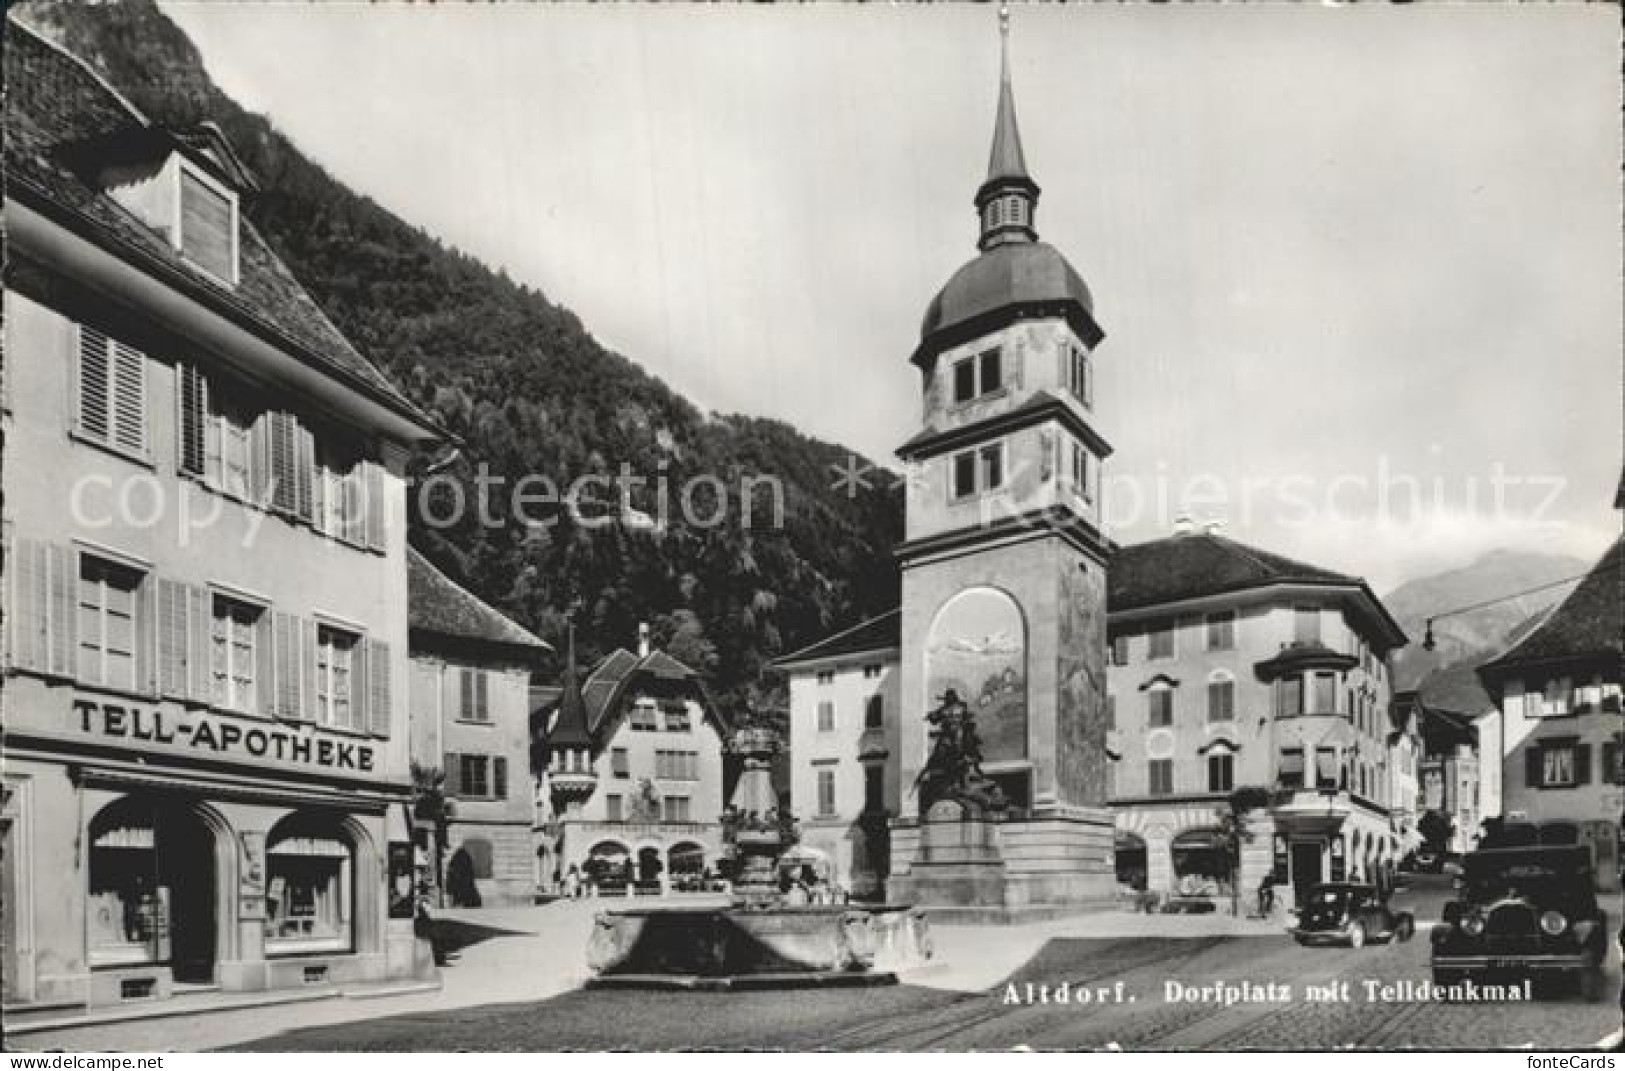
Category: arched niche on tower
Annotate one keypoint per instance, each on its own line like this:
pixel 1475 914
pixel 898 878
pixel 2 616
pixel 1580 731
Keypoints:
pixel 977 646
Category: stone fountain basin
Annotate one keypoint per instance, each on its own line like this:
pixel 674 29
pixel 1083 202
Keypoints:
pixel 718 947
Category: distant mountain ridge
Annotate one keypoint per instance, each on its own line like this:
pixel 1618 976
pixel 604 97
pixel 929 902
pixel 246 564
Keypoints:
pixel 529 391
pixel 1464 640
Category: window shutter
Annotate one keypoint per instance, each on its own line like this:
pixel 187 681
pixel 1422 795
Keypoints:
pixel 1610 763
pixel 350 513
pixel 265 690
pixel 1533 774
pixel 454 774
pixel 1582 764
pixel 199 644
pixel 95 384
pixel 304 474
pixel 213 470
pixel 499 777
pixel 172 681
pixel 377 685
pixel 373 505
pixel 308 636
pixel 129 398
pixel 206 228
pixel 465 693
pixel 319 498
pixel 30 605
pixel 285 628
pixel 260 469
pixel 192 397
pixel 62 566
pixel 146 636
pixel 284 447
pixel 482 695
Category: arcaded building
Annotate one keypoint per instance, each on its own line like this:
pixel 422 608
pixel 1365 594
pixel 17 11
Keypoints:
pixel 206 779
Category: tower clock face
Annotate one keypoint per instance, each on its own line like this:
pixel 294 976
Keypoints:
pixel 978 648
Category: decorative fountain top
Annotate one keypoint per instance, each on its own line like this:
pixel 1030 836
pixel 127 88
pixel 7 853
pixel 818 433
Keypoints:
pixel 755 830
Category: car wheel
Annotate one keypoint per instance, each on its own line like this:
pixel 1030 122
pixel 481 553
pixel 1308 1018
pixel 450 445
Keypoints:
pixel 1405 928
pixel 1589 984
pixel 1356 935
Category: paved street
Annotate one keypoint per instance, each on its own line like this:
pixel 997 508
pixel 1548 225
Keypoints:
pixel 515 989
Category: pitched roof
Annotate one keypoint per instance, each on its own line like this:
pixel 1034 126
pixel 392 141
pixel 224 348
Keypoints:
pixel 436 603
pixel 1589 623
pixel 56 108
pixel 876 634
pixel 1143 575
pixel 1200 564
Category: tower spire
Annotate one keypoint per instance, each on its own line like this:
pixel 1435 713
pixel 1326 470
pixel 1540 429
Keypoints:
pixel 1009 195
pixel 570 730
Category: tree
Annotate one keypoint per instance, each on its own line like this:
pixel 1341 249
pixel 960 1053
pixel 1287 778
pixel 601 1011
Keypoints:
pixel 1234 832
pixel 1436 829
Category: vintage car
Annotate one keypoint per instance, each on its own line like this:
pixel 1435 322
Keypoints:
pixel 1350 913
pixel 1526 909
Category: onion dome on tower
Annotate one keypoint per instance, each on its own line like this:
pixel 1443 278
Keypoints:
pixel 1015 276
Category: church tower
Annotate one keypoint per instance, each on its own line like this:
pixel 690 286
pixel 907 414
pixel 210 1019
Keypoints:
pixel 1004 559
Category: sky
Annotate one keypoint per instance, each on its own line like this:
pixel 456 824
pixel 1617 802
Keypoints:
pixel 1358 268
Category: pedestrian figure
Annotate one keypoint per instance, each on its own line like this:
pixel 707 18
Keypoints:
pixel 1266 896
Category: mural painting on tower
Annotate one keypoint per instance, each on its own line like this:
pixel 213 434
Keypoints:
pixel 978 648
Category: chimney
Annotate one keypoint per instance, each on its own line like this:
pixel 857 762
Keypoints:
pixel 643 639
pixel 1184 524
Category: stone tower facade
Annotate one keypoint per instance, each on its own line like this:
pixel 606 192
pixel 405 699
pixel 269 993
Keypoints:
pixel 1004 558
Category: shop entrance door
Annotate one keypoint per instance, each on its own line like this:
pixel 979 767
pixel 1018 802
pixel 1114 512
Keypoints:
pixel 186 867
pixel 1305 868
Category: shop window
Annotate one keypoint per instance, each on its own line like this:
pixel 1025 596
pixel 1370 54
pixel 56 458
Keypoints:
pixel 128 913
pixel 309 888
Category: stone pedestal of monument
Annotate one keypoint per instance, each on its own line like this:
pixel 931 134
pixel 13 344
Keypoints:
pixel 961 867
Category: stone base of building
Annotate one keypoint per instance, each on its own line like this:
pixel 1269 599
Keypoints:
pixel 980 871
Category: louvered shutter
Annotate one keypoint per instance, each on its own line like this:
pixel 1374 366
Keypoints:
pixel 261 469
pixel 308 636
pixel 192 397
pixel 62 565
pixel 377 686
pixel 284 461
pixel 286 634
pixel 265 689
pixel 1582 764
pixel 206 228
pixel 349 519
pixel 1533 772
pixel 1610 763
pixel 482 695
pixel 465 693
pixel 129 398
pixel 146 636
pixel 95 384
pixel 213 470
pixel 30 605
pixel 319 498
pixel 454 774
pixel 304 476
pixel 172 640
pixel 499 777
pixel 199 644
pixel 374 505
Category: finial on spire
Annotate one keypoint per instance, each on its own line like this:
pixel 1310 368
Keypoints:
pixel 1008 196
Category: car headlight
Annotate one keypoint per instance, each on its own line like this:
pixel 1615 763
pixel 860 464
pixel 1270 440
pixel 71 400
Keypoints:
pixel 1473 924
pixel 1553 923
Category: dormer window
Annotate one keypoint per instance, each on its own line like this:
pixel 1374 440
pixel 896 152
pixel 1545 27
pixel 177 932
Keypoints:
pixel 207 234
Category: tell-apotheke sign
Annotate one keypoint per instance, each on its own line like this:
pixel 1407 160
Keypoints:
pixel 196 731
